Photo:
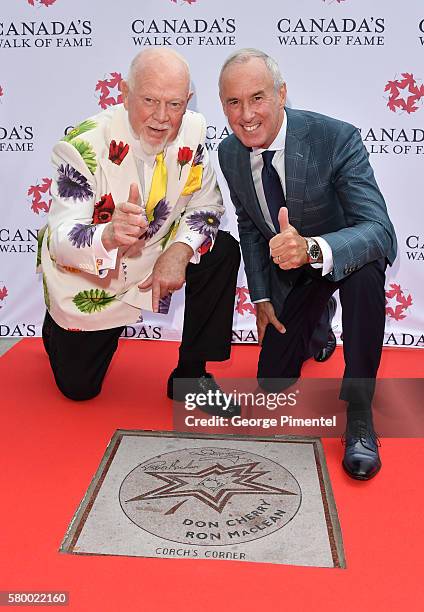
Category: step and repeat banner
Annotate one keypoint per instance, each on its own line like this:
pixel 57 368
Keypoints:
pixel 62 60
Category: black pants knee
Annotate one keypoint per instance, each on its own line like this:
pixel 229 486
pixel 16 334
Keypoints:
pixel 80 360
pixel 209 302
pixel 363 316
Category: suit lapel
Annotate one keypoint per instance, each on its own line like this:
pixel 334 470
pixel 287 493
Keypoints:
pixel 296 156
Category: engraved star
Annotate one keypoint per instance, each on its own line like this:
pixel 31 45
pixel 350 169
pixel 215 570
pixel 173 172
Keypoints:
pixel 227 481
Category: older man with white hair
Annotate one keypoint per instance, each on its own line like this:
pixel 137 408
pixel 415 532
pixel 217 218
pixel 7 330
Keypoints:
pixel 135 214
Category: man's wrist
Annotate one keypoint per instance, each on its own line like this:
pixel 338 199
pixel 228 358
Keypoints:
pixel 313 251
pixel 107 240
pixel 182 250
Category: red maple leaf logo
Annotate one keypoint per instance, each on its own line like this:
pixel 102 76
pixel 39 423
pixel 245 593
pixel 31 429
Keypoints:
pixel 404 93
pixel 40 203
pixel 243 303
pixel 104 87
pixel 41 2
pixel 3 294
pixel 1 91
pixel 400 305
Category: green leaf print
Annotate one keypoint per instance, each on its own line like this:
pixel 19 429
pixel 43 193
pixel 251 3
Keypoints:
pixel 92 300
pixel 86 151
pixel 46 293
pixel 170 235
pixel 40 237
pixel 85 126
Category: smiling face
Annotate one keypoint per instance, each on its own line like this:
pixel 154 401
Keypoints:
pixel 156 99
pixel 254 109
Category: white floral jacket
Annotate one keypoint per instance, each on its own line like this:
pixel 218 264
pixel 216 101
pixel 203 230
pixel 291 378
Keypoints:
pixel 93 169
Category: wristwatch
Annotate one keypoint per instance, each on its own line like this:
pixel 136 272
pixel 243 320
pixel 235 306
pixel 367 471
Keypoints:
pixel 313 251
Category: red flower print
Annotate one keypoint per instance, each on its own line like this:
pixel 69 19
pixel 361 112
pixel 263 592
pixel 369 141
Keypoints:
pixel 184 156
pixel 103 210
pixel 205 247
pixel 118 152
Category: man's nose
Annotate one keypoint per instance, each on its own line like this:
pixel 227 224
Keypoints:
pixel 161 112
pixel 247 113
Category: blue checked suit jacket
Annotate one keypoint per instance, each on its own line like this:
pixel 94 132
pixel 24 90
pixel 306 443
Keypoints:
pixel 330 192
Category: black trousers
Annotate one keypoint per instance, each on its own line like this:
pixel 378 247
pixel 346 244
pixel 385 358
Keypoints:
pixel 80 360
pixel 362 297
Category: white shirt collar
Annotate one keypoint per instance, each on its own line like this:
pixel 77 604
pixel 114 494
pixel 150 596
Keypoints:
pixel 279 142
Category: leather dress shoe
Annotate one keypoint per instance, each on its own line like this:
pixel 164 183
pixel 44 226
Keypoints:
pixel 275 385
pixel 326 352
pixel 361 459
pixel 206 385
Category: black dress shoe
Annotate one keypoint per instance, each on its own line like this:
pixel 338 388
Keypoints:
pixel 326 352
pixel 178 389
pixel 275 385
pixel 361 459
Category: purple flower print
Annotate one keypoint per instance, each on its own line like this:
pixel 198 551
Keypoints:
pixel 204 222
pixel 72 184
pixel 160 214
pixel 82 235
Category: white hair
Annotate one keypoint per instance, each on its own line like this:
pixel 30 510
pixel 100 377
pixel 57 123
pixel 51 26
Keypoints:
pixel 244 55
pixel 140 59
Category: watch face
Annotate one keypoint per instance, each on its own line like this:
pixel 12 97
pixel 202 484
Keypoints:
pixel 314 251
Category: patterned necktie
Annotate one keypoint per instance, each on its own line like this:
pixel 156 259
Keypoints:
pixel 158 186
pixel 273 190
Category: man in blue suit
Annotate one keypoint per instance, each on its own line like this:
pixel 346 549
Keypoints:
pixel 311 221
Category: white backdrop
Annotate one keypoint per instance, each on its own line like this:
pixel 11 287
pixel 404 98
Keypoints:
pixel 61 61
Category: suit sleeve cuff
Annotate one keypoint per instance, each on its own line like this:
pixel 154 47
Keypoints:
pixel 105 260
pixel 327 256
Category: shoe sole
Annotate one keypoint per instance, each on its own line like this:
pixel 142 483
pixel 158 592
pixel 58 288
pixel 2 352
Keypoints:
pixel 360 477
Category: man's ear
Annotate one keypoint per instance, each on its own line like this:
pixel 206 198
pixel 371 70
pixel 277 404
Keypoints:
pixel 190 95
pixel 282 94
pixel 123 86
pixel 224 107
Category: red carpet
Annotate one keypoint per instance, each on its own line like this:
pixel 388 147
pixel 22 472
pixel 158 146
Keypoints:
pixel 51 447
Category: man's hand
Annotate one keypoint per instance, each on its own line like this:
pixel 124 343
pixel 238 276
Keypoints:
pixel 265 315
pixel 169 272
pixel 288 248
pixel 128 223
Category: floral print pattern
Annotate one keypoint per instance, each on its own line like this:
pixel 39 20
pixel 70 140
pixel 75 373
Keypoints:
pixel 86 151
pixel 92 300
pixel 85 126
pixel 198 156
pixel 118 152
pixel 204 222
pixel 103 209
pixel 160 214
pixel 184 157
pixel 72 184
pixel 164 304
pixel 82 235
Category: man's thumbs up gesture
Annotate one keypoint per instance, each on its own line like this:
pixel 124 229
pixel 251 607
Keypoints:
pixel 128 222
pixel 288 248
